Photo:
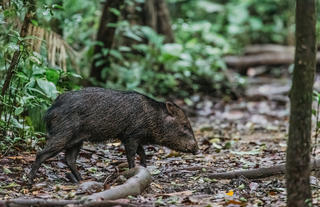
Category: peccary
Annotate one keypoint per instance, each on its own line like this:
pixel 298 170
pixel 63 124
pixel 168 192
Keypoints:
pixel 97 114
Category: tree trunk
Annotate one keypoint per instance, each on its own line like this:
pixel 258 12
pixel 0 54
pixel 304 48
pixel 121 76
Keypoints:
pixel 163 20
pixel 55 23
pixel 154 14
pixel 298 151
pixel 150 14
pixel 105 36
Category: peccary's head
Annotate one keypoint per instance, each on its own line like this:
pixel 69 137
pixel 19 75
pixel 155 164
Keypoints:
pixel 178 134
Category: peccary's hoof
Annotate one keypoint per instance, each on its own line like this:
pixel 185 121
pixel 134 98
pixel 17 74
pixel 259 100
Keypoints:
pixel 30 180
pixel 195 152
pixel 29 183
pixel 71 177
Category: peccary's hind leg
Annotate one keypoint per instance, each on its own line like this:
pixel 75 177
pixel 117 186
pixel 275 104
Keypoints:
pixel 71 157
pixel 131 147
pixel 142 155
pixel 51 149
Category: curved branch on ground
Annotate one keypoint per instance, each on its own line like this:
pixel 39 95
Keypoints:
pixel 133 186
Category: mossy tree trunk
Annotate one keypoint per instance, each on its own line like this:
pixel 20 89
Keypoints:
pixel 298 151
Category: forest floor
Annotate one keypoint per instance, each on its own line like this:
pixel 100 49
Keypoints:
pixel 248 133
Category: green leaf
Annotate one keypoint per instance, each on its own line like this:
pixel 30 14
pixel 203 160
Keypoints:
pixel 38 70
pixel 16 123
pixel 35 59
pixel 173 49
pixel 99 62
pixel 115 11
pixel 114 25
pixel 105 51
pixel 12 47
pixel 132 35
pixel 6 170
pixel 52 75
pixel 11 185
pixel 116 54
pixel 57 6
pixel 18 111
pixel 34 22
pixel 210 7
pixel 75 75
pixel 48 88
pixel 124 49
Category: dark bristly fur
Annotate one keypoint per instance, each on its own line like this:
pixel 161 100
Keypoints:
pixel 96 114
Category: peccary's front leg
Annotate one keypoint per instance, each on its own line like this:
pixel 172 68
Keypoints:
pixel 131 147
pixel 142 155
pixel 51 149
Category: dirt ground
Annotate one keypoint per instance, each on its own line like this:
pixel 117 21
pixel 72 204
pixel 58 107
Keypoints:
pixel 232 135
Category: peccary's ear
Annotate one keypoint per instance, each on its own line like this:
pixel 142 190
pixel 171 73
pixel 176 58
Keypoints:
pixel 171 108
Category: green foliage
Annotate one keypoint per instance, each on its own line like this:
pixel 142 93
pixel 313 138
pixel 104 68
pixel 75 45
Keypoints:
pixel 241 22
pixel 192 64
pixel 33 87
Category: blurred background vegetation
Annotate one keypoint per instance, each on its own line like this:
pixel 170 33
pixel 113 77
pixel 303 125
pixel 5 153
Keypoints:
pixel 172 48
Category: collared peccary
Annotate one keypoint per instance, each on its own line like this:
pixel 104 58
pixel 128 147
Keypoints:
pixel 97 114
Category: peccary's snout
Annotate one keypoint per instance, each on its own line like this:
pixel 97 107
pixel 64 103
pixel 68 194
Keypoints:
pixel 195 149
pixel 192 146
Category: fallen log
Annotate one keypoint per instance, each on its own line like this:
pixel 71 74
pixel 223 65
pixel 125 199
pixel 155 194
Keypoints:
pixel 268 48
pixel 139 179
pixel 264 55
pixel 20 202
pixel 260 172
pixel 54 203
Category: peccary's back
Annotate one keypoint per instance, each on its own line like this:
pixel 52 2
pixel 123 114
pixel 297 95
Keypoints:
pixel 101 114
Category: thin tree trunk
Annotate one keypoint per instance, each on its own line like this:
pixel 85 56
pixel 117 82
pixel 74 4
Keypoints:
pixel 16 55
pixel 154 14
pixel 298 151
pixel 163 20
pixel 106 36
pixel 55 23
pixel 150 14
